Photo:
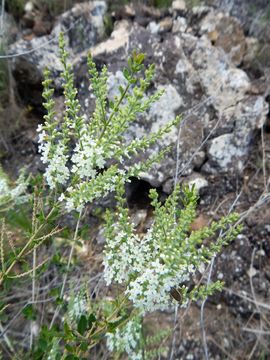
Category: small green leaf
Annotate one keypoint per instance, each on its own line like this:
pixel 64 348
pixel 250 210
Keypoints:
pixel 69 348
pixel 42 344
pixel 71 357
pixel 121 89
pixel 67 330
pixel 113 325
pixel 82 324
pixel 91 320
pixel 140 58
pixel 29 312
pixel 84 346
pixel 126 73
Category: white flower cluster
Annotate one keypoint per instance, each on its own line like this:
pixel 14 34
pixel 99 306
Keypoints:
pixel 77 306
pixel 138 263
pixel 4 188
pixel 55 157
pixel 57 171
pixel 127 339
pixel 118 268
pixel 16 194
pixel 87 157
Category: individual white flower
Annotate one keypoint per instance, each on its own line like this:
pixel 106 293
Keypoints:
pixel 61 197
pixel 40 128
pixel 44 150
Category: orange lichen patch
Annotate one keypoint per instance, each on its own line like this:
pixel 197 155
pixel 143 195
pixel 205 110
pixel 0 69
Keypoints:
pixel 201 221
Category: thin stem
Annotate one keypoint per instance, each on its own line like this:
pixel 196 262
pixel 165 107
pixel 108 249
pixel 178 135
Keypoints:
pixel 33 293
pixel 68 266
pixel 9 345
pixel 34 264
pixel 2 18
pixel 116 108
pixel 263 159
pixel 25 248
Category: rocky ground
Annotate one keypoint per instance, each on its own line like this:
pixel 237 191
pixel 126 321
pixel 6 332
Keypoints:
pixel 213 60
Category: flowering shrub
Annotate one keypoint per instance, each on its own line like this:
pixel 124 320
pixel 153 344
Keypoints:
pixel 85 159
pixel 97 139
pixel 164 258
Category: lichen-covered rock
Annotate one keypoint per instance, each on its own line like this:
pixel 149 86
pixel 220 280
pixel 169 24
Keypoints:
pixel 179 25
pixel 179 5
pixel 220 115
pixel 161 27
pixel 83 27
pixel 225 32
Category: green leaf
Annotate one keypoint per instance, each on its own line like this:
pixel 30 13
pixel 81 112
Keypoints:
pixel 113 325
pixel 71 357
pixel 121 89
pixel 29 312
pixel 140 58
pixel 91 320
pixel 126 73
pixel 84 346
pixel 69 348
pixel 82 324
pixel 67 330
pixel 42 344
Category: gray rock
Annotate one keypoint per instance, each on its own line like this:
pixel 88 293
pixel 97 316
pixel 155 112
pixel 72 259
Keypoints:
pixel 196 180
pixel 100 236
pixel 83 27
pixel 179 5
pixel 201 82
pixel 161 27
pixel 225 32
pixel 153 27
pixel 179 25
pixel 220 112
pixel 225 155
pixel 254 15
pixel 138 217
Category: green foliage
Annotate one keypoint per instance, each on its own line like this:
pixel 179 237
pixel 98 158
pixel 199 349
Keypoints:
pixel 16 7
pixel 193 3
pixel 162 3
pixel 55 7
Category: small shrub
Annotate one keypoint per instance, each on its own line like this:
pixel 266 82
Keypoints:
pixel 85 159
